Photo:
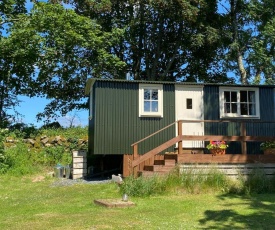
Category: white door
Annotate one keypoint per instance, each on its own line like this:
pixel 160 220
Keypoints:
pixel 189 106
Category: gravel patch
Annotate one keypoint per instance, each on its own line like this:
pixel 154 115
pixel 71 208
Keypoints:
pixel 69 182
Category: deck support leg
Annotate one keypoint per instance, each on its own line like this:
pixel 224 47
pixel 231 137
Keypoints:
pixel 135 156
pixel 180 134
pixel 243 133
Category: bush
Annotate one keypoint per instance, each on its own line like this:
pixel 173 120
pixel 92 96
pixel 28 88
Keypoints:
pixel 3 159
pixel 193 180
pixel 20 161
pixel 142 186
pixel 197 181
pixel 258 182
pixel 54 155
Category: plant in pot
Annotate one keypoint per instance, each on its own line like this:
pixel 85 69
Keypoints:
pixel 217 147
pixel 268 147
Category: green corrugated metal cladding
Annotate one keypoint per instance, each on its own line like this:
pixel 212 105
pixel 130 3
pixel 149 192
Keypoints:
pixel 115 123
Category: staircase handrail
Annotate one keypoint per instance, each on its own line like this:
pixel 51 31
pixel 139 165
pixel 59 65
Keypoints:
pixel 145 138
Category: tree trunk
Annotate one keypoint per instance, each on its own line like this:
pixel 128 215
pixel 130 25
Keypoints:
pixel 242 69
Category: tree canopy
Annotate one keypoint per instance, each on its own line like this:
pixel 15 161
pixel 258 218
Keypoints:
pixel 53 48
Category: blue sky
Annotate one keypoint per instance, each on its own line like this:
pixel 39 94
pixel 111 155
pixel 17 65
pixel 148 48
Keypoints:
pixel 30 107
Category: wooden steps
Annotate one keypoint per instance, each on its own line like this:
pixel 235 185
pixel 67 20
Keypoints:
pixel 160 167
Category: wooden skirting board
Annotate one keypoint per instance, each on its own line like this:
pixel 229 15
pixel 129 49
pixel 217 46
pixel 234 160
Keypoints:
pixel 223 159
pixel 232 170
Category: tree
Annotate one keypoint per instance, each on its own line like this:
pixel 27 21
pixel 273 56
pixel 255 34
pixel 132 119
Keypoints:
pixel 262 55
pixel 249 42
pixel 10 85
pixel 60 51
pixel 164 40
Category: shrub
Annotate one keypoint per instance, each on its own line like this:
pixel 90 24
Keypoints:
pixel 191 180
pixel 267 145
pixel 198 180
pixel 3 158
pixel 143 186
pixel 258 182
pixel 19 160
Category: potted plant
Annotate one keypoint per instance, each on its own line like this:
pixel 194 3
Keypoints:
pixel 217 147
pixel 268 147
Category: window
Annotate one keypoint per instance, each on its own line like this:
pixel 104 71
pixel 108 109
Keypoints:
pixel 189 103
pixel 150 100
pixel 242 102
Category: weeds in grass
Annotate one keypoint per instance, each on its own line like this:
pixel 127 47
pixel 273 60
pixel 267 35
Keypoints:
pixel 20 161
pixel 3 159
pixel 193 180
pixel 200 180
pixel 258 182
pixel 143 186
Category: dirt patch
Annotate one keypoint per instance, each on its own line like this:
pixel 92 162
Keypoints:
pixel 114 203
pixel 38 178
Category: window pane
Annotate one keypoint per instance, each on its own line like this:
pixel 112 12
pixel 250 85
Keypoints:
pixel 234 108
pixel 244 109
pixel 226 96
pixel 243 96
pixel 154 106
pixel 146 106
pixel 233 96
pixel 252 109
pixel 146 94
pixel 154 94
pixel 227 108
pixel 251 96
pixel 188 103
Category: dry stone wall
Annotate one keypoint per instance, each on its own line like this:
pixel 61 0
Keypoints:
pixel 45 141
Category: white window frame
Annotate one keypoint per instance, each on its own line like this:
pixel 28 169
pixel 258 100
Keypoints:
pixel 238 114
pixel 143 113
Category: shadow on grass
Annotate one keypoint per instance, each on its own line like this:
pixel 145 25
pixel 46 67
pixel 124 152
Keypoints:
pixel 260 213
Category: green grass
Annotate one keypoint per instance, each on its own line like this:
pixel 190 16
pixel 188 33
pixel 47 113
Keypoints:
pixel 38 205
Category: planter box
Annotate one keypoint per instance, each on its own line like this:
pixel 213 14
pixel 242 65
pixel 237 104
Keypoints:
pixel 269 151
pixel 215 152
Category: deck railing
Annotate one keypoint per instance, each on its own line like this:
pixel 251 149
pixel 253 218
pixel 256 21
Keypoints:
pixel 133 162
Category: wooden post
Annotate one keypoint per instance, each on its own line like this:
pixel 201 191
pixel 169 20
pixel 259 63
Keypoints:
pixel 135 151
pixel 126 165
pixel 243 133
pixel 179 134
pixel 135 156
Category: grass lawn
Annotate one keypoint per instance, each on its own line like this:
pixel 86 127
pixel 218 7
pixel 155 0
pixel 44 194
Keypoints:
pixel 25 204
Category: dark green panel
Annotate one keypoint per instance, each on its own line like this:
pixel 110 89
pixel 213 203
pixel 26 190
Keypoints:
pixel 267 111
pixel 116 121
pixel 211 103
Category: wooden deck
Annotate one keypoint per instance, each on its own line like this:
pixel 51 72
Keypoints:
pixel 163 164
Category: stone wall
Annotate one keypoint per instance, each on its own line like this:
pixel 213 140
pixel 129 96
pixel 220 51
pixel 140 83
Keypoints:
pixel 45 141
